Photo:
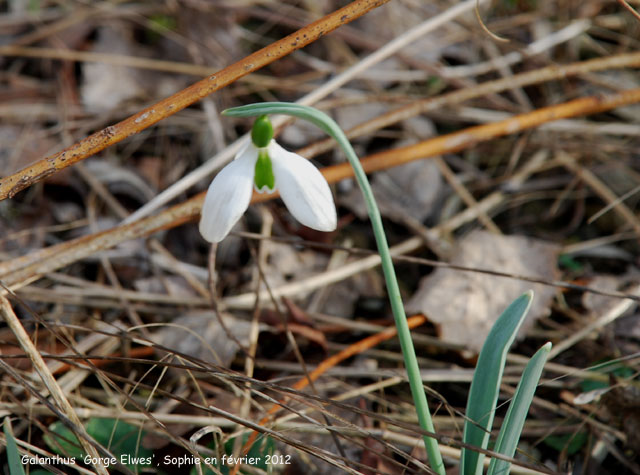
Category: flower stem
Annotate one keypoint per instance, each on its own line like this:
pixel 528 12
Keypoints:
pixel 328 125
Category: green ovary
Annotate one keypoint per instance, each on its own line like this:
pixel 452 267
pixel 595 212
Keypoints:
pixel 263 177
pixel 262 131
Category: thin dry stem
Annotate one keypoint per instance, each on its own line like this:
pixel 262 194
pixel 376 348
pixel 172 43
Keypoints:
pixel 49 381
pixel 601 189
pixel 616 310
pixel 356 348
pixel 464 194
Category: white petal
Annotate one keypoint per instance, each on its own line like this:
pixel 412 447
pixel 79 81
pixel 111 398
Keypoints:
pixel 228 196
pixel 303 189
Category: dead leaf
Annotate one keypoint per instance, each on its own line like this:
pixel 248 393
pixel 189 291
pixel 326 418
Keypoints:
pixel 466 304
pixel 344 297
pixel 351 115
pixel 301 133
pixel 590 396
pixel 598 304
pixel 296 313
pixel 174 285
pixel 413 189
pixel 298 322
pixel 623 405
pixel 202 336
pixel 287 264
pixel 107 86
pixel 310 333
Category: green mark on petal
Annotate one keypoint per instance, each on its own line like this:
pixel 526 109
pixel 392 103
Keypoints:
pixel 264 179
pixel 262 132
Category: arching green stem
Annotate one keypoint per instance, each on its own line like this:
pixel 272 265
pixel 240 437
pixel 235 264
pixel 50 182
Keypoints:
pixel 328 125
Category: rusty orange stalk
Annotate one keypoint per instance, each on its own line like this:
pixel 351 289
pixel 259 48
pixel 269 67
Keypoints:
pixel 456 141
pixel 113 134
pixel 449 99
pixel 354 349
pixel 22 270
pixel 630 8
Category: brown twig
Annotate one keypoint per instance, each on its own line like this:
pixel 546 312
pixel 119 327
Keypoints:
pixel 113 134
pixel 454 142
pixel 141 352
pixel 25 269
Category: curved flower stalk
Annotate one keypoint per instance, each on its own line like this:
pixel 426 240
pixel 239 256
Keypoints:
pixel 324 122
pixel 266 166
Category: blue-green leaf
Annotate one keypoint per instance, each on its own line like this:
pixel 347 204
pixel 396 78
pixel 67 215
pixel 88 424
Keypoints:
pixel 15 466
pixel 485 386
pixel 509 435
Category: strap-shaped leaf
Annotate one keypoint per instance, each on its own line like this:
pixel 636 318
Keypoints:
pixel 13 455
pixel 485 386
pixel 509 435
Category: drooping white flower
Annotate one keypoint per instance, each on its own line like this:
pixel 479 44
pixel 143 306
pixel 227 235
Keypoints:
pixel 266 166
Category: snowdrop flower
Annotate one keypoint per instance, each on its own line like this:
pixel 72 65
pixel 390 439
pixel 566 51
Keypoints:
pixel 264 165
